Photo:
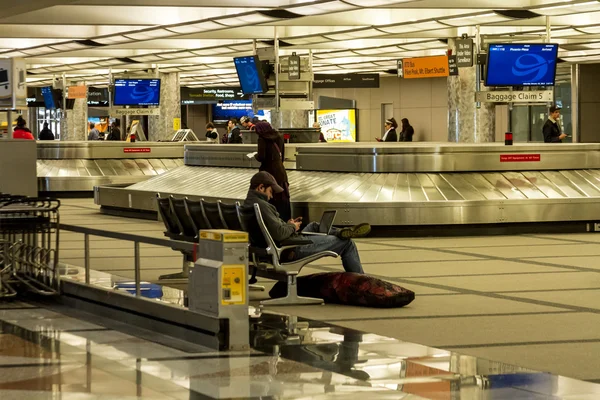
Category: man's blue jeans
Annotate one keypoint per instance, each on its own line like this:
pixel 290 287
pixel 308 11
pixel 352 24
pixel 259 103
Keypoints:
pixel 345 248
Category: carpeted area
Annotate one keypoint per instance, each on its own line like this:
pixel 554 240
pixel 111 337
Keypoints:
pixel 530 300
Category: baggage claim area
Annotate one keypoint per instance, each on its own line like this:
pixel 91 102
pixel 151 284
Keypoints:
pixel 465 135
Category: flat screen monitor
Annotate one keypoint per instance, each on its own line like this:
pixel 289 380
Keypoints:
pixel 223 111
pixel 338 125
pixel 48 94
pixel 249 72
pixel 521 64
pixel 137 92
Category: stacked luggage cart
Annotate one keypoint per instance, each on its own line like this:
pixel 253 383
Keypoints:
pixel 29 229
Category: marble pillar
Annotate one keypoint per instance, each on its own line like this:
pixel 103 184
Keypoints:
pixel 289 119
pixel 466 122
pixel 74 125
pixel 161 127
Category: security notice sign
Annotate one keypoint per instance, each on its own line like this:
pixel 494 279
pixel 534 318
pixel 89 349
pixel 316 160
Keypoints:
pixel 529 96
pixel 520 158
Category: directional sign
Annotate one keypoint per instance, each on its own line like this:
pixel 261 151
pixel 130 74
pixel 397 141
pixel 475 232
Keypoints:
pixel 211 94
pixel 523 96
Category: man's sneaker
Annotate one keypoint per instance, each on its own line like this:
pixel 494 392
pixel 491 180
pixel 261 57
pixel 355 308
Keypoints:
pixel 357 231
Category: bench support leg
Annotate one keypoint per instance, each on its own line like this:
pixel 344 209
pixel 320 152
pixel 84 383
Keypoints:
pixel 178 275
pixel 292 297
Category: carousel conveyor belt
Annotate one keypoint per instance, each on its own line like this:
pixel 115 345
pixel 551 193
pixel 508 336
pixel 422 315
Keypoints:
pixel 418 198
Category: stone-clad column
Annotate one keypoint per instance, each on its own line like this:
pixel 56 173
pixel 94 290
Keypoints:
pixel 161 127
pixel 467 123
pixel 289 119
pixel 74 126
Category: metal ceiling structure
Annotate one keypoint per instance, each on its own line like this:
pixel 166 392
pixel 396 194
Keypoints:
pixel 85 39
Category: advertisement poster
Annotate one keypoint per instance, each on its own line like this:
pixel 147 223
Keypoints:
pixel 338 125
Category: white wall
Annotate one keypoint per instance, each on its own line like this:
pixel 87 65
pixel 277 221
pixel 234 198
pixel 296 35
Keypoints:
pixel 423 101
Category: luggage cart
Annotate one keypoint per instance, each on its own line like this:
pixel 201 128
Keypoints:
pixel 29 229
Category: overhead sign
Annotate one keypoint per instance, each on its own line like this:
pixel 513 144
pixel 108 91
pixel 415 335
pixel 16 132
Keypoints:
pixel 119 112
pixel 505 96
pixel 208 94
pixel 97 97
pixel 452 67
pixel 400 69
pixel 76 92
pixel 345 81
pixel 464 53
pixel 294 67
pixel 425 67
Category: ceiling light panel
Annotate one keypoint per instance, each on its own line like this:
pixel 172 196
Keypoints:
pixel 197 28
pixel 478 19
pixel 564 9
pixel 323 8
pixel 357 34
pixel 410 28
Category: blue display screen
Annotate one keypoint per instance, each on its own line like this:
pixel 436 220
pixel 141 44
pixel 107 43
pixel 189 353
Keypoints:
pixel 137 92
pixel 521 65
pixel 250 75
pixel 48 98
pixel 222 112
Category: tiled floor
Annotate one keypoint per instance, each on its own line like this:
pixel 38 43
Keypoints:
pixel 530 300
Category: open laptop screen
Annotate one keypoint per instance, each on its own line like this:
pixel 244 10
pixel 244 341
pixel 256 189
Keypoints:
pixel 327 221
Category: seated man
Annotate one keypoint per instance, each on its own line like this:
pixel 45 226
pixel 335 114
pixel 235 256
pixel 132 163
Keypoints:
pixel 262 187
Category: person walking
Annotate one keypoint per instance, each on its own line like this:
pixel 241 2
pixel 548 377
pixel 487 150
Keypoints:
pixel 271 154
pixel 46 133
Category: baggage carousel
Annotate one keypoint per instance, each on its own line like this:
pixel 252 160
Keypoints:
pixel 79 166
pixel 397 183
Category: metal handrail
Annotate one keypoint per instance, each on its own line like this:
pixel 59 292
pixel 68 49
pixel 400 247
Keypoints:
pixel 136 239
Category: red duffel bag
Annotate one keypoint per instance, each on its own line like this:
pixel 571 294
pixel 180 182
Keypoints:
pixel 350 289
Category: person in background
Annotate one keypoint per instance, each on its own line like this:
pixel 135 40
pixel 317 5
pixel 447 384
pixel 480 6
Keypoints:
pixel 390 131
pixel 212 135
pixel 115 132
pixel 247 124
pixel 21 131
pixel 551 129
pixel 262 188
pixel 46 133
pixel 271 153
pixel 407 131
pixel 94 134
pixel 317 125
pixel 255 120
pixel 234 132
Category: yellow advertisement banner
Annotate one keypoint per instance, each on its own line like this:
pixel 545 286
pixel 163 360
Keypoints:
pixel 425 67
pixel 338 125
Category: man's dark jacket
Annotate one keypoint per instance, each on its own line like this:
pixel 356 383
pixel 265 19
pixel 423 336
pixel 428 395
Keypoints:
pixel 551 132
pixel 278 228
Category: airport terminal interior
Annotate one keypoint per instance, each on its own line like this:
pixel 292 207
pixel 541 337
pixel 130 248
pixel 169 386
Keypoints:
pixel 464 133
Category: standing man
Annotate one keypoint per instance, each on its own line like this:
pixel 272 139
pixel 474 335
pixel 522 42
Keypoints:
pixel 234 132
pixel 94 133
pixel 115 132
pixel 551 130
pixel 247 123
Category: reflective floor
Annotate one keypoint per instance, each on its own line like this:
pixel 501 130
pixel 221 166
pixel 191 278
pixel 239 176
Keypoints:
pixel 55 354
pixel 521 300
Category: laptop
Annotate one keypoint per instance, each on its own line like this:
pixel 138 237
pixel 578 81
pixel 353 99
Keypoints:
pixel 325 225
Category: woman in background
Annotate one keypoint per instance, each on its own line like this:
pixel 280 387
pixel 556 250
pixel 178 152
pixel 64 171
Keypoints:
pixel 407 131
pixel 271 155
pixel 390 131
pixel 46 133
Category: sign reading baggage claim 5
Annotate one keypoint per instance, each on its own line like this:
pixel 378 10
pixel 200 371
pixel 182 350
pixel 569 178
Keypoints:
pixel 529 96
pixel 425 67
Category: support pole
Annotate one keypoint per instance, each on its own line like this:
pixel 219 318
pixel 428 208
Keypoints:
pixel 276 51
